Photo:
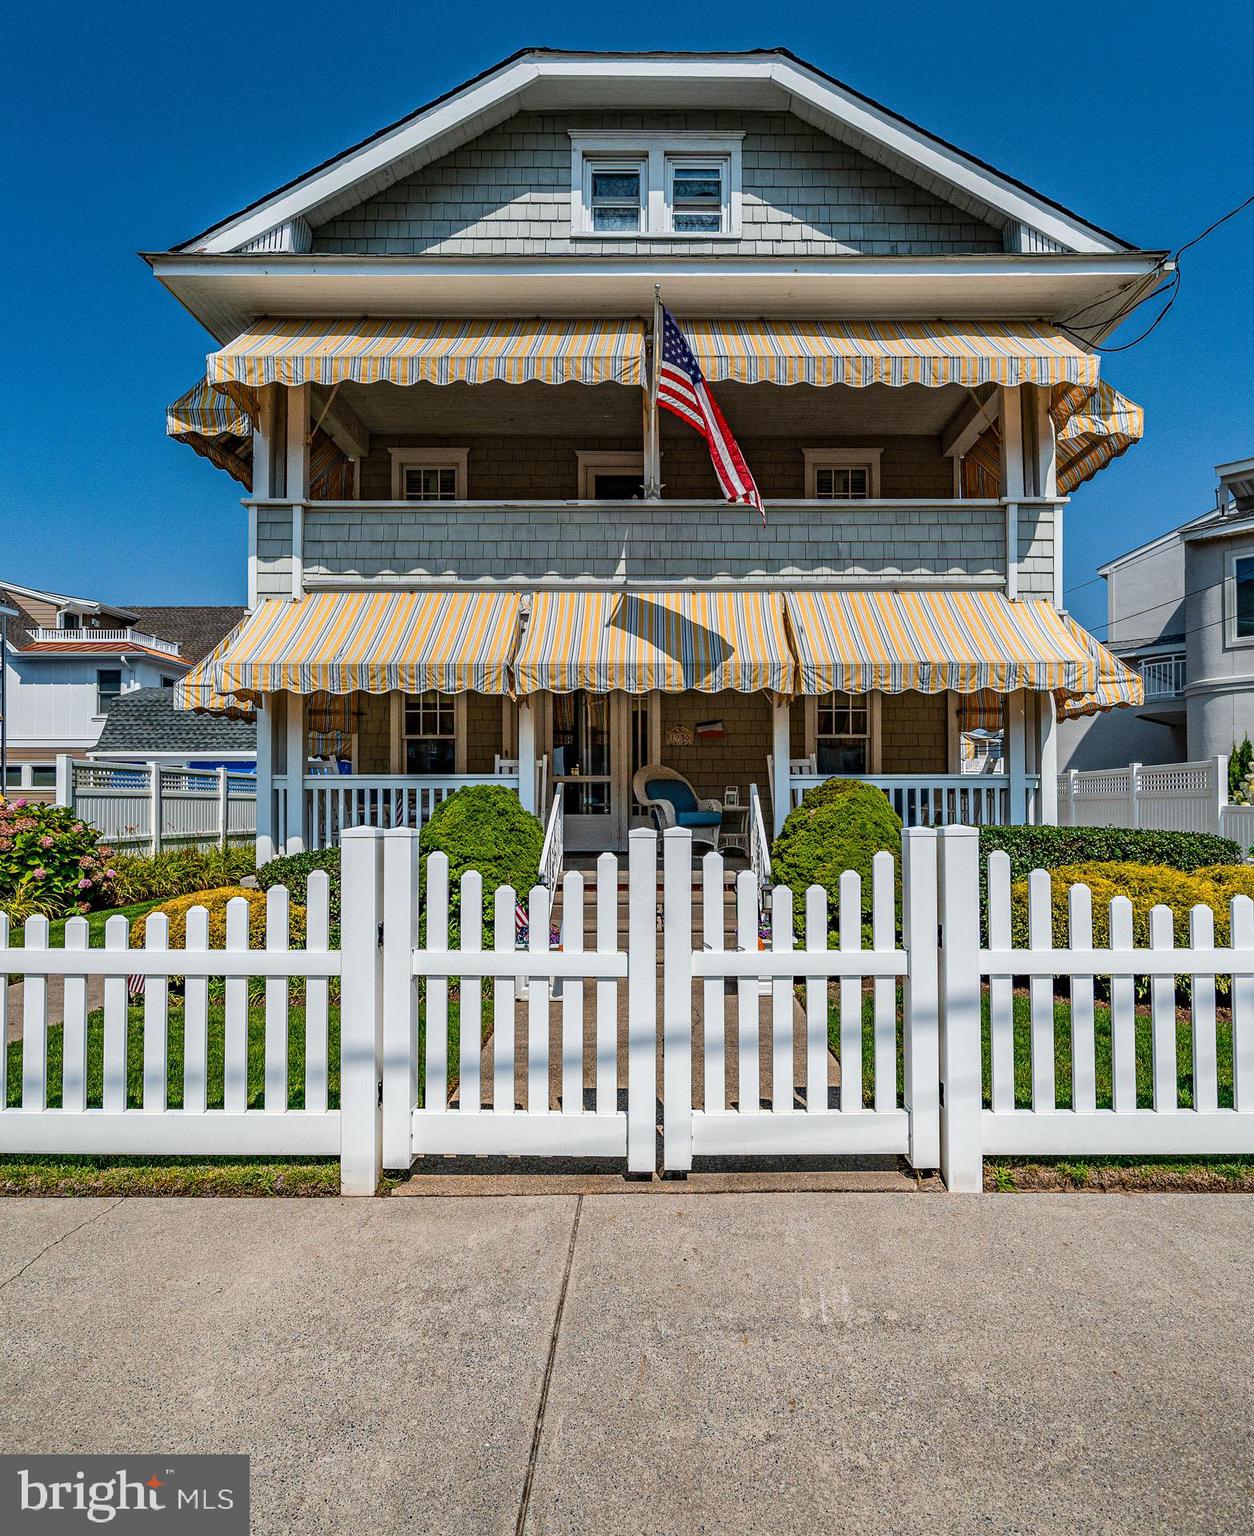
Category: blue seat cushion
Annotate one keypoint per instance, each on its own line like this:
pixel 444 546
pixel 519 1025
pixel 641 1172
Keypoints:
pixel 698 818
pixel 676 793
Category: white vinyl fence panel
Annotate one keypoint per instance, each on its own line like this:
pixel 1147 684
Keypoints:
pixel 1165 797
pixel 149 807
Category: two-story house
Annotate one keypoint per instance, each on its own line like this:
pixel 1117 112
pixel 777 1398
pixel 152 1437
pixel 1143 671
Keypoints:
pixel 67 660
pixel 475 549
pixel 1181 613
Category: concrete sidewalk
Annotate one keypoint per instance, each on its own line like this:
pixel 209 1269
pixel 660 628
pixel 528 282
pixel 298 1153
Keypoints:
pixel 705 1363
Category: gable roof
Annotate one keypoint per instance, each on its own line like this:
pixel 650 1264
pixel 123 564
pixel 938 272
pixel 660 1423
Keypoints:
pixel 145 720
pixel 196 630
pixel 557 79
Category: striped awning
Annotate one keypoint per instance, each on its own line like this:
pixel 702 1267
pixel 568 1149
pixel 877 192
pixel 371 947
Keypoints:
pixel 366 350
pixel 858 353
pixel 372 642
pixel 1117 687
pixel 932 642
pixel 1102 427
pixel 195 689
pixel 217 427
pixel 638 641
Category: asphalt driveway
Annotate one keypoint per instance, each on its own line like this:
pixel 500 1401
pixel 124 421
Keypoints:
pixel 699 1363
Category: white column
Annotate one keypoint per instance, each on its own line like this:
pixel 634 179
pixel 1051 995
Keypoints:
pixel 263 443
pixel 781 748
pixel 154 807
pixel 265 783
pixel 1016 756
pixel 1012 480
pixel 527 755
pixel 65 780
pixel 298 476
pixel 1047 760
pixel 295 760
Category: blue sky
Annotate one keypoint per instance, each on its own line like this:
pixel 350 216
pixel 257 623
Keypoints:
pixel 131 126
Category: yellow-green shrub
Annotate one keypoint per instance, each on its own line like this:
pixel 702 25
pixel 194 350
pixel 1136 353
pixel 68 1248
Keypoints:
pixel 214 903
pixel 1146 886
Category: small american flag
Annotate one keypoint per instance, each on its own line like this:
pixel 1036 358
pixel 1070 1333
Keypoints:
pixel 681 390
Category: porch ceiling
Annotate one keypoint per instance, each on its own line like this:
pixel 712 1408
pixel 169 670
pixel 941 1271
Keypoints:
pixel 755 410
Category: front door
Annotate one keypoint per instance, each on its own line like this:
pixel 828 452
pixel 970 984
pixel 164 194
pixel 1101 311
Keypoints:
pixel 587 760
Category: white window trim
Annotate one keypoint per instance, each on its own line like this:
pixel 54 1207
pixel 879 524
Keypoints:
pixel 427 458
pixel 653 150
pixel 874 701
pixel 596 463
pixel 842 458
pixel 1230 599
pixel 398 732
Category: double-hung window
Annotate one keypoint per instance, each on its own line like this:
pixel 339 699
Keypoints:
pixel 108 687
pixel 655 184
pixel 843 737
pixel 842 474
pixel 429 733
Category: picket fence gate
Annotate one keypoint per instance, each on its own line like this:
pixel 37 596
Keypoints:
pixel 551 1078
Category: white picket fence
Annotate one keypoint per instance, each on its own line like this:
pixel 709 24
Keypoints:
pixel 148 807
pixel 539 1073
pixel 1166 797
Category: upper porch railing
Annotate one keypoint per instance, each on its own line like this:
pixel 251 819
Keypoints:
pixel 87 635
pixel 940 799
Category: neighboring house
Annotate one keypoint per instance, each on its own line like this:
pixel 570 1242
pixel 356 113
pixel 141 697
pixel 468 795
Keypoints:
pixel 144 726
pixel 1181 613
pixel 66 659
pixel 473 550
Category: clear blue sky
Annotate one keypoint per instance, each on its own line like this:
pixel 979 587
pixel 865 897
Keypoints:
pixel 132 126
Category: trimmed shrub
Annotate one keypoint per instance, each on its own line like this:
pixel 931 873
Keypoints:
pixel 1146 886
pixel 1051 847
pixel 840 824
pixel 51 861
pixel 214 903
pixel 293 870
pixel 482 827
pixel 176 871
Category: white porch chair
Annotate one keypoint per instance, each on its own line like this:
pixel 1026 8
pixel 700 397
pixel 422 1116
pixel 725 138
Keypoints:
pixel 674 803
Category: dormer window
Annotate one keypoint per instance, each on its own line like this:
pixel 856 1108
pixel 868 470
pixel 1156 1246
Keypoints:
pixel 656 185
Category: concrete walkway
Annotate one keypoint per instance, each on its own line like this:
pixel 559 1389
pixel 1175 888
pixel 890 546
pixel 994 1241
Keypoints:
pixel 703 1363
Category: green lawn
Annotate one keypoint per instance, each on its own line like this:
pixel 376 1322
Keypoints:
pixel 1062 1054
pixel 95 925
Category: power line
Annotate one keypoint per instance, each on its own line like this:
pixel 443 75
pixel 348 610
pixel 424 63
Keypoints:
pixel 1135 558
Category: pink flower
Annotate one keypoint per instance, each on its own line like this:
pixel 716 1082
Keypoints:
pixel 84 885
pixel 111 874
pixel 18 804
pixel 39 874
pixel 45 841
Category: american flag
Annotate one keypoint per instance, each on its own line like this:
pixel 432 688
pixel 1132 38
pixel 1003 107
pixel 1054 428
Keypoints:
pixel 681 389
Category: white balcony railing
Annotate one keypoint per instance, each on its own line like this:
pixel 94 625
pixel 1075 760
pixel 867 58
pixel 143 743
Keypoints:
pixel 336 801
pixel 1163 677
pixel 88 636
pixel 939 799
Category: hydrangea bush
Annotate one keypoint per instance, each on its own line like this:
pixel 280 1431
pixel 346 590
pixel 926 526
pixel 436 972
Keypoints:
pixel 51 861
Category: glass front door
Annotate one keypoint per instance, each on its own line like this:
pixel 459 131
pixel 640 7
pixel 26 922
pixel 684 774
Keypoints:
pixel 583 758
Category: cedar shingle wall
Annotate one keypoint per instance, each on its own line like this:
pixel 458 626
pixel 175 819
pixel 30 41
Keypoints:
pixel 508 193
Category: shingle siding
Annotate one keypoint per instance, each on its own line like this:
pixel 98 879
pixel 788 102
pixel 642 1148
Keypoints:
pixel 914 733
pixel 507 193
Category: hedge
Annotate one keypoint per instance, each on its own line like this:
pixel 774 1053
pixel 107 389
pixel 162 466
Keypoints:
pixel 840 824
pixel 294 869
pixel 215 902
pixel 1051 847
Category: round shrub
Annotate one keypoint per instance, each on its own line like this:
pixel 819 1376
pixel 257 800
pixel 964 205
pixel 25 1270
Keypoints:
pixel 51 861
pixel 1146 886
pixel 483 827
pixel 215 903
pixel 840 824
pixel 294 869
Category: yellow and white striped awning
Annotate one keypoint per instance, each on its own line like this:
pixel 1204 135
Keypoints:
pixel 217 427
pixel 858 353
pixel 638 641
pixel 1098 430
pixel 371 642
pixel 934 642
pixel 1117 687
pixel 373 350
pixel 195 690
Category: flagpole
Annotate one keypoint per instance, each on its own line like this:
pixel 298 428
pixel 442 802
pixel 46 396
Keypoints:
pixel 653 470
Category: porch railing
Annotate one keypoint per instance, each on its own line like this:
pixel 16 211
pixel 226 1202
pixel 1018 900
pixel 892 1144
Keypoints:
pixel 334 802
pixel 938 799
pixel 1163 677
pixel 553 853
pixel 759 842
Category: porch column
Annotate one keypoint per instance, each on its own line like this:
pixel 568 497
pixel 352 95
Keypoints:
pixel 297 753
pixel 781 749
pixel 1047 760
pixel 1012 479
pixel 265 782
pixel 297 486
pixel 527 756
pixel 1016 757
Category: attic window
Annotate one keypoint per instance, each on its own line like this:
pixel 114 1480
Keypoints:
pixel 657 185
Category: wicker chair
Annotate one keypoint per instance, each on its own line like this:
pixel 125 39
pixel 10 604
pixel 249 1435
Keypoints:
pixel 674 803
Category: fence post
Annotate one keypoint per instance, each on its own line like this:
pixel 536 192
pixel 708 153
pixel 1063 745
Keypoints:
pixel 154 807
pixel 1220 798
pixel 1134 794
pixel 65 780
pixel 361 1011
pixel 961 1045
pixel 223 806
pixel 641 1001
pixel 677 921
pixel 920 1020
pixel 400 995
